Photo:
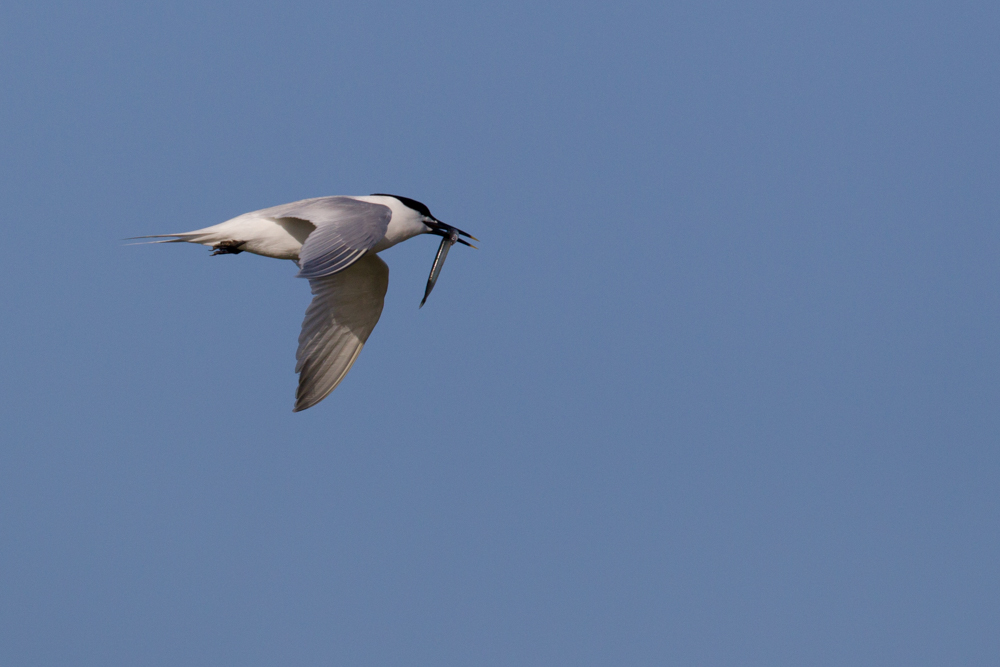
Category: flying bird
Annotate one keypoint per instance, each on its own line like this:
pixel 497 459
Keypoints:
pixel 334 241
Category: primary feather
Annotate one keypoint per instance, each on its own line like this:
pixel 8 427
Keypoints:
pixel 345 308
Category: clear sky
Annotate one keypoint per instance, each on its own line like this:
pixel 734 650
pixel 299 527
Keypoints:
pixel 719 388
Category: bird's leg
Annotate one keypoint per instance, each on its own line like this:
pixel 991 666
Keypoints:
pixel 227 248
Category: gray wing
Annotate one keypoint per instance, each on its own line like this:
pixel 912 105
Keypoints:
pixel 345 229
pixel 344 310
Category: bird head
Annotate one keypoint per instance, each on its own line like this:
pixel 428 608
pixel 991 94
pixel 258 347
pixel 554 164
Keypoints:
pixel 449 237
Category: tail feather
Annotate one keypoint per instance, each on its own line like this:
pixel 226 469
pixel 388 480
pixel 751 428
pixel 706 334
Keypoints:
pixel 148 242
pixel 188 237
pixel 178 237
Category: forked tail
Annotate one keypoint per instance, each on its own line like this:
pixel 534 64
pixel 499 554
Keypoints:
pixel 187 237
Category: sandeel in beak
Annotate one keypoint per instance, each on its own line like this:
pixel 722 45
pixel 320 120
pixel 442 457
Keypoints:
pixel 450 236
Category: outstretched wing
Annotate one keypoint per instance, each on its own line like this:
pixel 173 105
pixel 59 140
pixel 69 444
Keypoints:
pixel 345 229
pixel 344 310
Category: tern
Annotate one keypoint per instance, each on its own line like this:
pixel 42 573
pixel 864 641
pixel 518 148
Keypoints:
pixel 334 241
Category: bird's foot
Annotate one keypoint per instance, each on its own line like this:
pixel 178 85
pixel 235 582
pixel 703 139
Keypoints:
pixel 227 248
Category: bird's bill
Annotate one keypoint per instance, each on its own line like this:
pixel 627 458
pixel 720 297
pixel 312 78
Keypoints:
pixel 446 243
pixel 444 229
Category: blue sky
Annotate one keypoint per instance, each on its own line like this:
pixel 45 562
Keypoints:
pixel 719 388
